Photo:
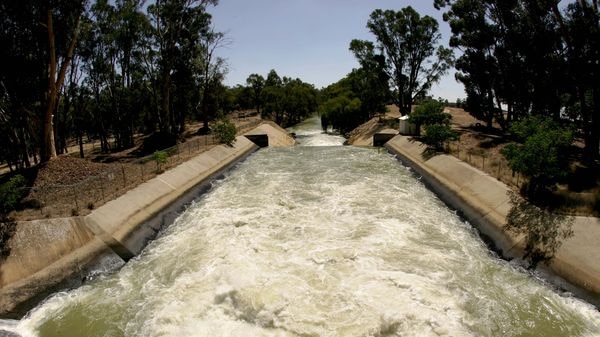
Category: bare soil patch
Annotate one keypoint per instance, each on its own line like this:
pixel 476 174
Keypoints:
pixel 578 194
pixel 72 186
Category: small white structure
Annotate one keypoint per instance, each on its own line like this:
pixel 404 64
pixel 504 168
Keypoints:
pixel 406 128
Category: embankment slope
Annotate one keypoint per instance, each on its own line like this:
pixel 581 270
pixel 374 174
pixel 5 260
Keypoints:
pixel 51 254
pixel 485 203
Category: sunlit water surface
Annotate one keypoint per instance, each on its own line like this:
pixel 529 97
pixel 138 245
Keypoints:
pixel 315 240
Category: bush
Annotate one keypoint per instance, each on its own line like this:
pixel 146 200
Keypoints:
pixel 429 113
pixel 543 156
pixel 436 123
pixel 437 135
pixel 225 131
pixel 160 157
pixel 11 193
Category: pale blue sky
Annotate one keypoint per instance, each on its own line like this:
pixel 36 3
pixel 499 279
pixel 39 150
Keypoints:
pixel 307 39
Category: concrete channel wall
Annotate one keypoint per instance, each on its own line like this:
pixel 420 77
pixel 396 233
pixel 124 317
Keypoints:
pixel 52 254
pixel 485 203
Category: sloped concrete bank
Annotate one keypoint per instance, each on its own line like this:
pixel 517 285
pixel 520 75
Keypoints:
pixel 52 254
pixel 485 203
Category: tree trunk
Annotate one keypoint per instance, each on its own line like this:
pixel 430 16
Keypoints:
pixel 164 122
pixel 48 150
pixel 80 141
pixel 593 143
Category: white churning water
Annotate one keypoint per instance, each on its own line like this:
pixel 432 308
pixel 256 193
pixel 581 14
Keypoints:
pixel 315 241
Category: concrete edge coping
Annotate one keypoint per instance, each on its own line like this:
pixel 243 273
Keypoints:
pixel 18 297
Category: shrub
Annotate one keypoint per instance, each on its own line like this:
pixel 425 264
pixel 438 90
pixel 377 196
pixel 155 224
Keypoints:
pixel 160 157
pixel 225 131
pixel 429 113
pixel 436 123
pixel 436 135
pixel 11 193
pixel 543 155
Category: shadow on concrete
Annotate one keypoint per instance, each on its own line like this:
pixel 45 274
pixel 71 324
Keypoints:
pixel 544 231
pixel 7 230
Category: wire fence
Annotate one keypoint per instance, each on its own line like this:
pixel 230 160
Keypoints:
pixel 492 163
pixel 81 197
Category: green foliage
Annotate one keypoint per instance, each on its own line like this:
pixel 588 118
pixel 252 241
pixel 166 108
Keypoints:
pixel 543 154
pixel 287 101
pixel 529 58
pixel 429 113
pixel 225 131
pixel 160 157
pixel 11 193
pixel 411 58
pixel 435 122
pixel 436 135
pixel 354 99
pixel 256 83
pixel 342 112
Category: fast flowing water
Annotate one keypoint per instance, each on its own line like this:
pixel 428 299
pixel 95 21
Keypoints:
pixel 315 241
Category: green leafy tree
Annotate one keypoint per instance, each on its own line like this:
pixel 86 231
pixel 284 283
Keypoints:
pixel 580 28
pixel 435 122
pixel 10 194
pixel 543 153
pixel 342 112
pixel 39 39
pixel 370 82
pixel 178 27
pixel 364 88
pixel 531 57
pixel 511 56
pixel 256 83
pixel 408 44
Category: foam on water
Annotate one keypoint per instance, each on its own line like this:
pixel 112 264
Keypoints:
pixel 315 241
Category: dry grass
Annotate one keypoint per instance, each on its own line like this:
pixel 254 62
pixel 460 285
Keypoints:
pixel 71 186
pixel 578 194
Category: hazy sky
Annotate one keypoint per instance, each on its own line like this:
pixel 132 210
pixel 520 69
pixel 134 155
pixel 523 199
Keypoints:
pixel 307 39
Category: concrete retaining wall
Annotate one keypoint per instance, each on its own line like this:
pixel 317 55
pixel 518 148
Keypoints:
pixel 485 203
pixel 50 254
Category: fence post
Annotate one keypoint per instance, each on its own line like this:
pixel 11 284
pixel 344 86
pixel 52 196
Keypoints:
pixel 124 178
pixel 102 187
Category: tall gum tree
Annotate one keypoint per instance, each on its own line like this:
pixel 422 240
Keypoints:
pixel 532 57
pixel 69 13
pixel 175 23
pixel 413 59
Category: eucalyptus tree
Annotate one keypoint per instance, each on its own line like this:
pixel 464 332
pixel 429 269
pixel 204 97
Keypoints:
pixel 62 23
pixel 178 25
pixel 38 39
pixel 256 83
pixel 212 73
pixel 409 44
pixel 370 82
pixel 299 101
pixel 273 96
pixel 531 57
pixel 512 55
pixel 581 32
pixel 287 101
